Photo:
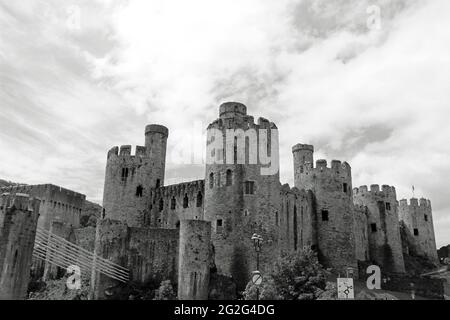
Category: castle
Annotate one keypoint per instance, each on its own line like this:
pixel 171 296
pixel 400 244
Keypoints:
pixel 183 231
pixel 191 231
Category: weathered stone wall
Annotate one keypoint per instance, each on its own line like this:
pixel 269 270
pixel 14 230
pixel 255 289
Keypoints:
pixel 361 233
pixel 149 254
pixel 57 204
pixel 129 179
pixel 169 205
pixel 332 188
pixel 418 219
pixel 85 238
pixel 194 260
pixel 235 215
pixel 66 232
pixel 296 220
pixel 385 248
pixel 18 221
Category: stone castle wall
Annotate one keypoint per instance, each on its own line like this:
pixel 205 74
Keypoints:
pixel 150 254
pixel 169 205
pixel 361 233
pixel 19 215
pixel 194 260
pixel 418 219
pixel 385 247
pixel 296 220
pixel 57 204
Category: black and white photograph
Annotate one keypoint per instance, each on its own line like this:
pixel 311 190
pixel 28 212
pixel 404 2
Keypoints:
pixel 224 158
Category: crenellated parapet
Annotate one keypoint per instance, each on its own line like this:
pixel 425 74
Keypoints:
pixel 124 152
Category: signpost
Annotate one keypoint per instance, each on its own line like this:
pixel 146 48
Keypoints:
pixel 257 281
pixel 346 289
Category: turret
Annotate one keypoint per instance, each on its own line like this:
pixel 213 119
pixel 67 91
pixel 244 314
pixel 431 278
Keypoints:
pixel 332 189
pixel 130 177
pixel 241 169
pixel 385 247
pixel 418 218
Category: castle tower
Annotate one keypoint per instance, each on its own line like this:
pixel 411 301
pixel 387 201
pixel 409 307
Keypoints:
pixel 242 190
pixel 129 178
pixel 334 221
pixel 385 247
pixel 418 219
pixel 195 260
pixel 18 221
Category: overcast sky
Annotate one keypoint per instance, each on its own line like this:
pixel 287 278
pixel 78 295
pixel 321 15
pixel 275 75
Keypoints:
pixel 78 77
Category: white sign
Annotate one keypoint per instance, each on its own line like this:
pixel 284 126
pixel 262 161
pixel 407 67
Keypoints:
pixel 345 288
pixel 257 278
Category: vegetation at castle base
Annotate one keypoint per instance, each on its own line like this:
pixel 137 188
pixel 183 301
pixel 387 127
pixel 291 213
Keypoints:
pixel 296 276
pixel 165 291
pixel 57 290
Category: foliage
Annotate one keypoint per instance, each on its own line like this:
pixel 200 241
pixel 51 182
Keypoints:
pixel 165 291
pixel 267 290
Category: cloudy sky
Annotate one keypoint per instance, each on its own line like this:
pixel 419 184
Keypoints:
pixel 78 77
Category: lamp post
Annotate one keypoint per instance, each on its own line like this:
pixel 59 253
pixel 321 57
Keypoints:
pixel 257 242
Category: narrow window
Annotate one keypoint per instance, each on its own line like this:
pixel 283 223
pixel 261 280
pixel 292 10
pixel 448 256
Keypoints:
pixel 158 183
pixel 199 199
pixel 211 180
pixel 185 201
pixel 373 227
pixel 173 203
pixel 103 213
pixel 325 216
pixel 219 225
pixel 416 232
pixel 249 187
pixel 161 205
pixel 139 191
pixel 276 219
pixel 229 177
pixel 345 187
pixel 388 206
pixel 124 174
pixel 425 217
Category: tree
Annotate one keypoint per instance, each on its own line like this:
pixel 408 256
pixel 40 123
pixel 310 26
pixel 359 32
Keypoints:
pixel 299 276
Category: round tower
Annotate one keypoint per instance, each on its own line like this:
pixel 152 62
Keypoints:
pixel 418 219
pixel 332 189
pixel 129 178
pixel 194 260
pixel 241 197
pixel 385 246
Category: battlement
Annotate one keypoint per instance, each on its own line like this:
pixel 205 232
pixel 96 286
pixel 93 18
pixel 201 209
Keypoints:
pixel 156 128
pixel 125 152
pixel 301 147
pixel 41 189
pixel 232 109
pixel 19 201
pixel 286 190
pixel 414 202
pixel 322 166
pixel 180 189
pixel 244 122
pixel 375 190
